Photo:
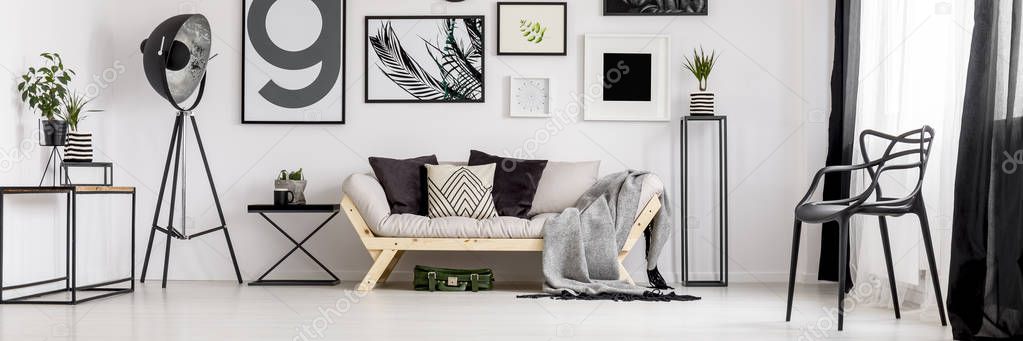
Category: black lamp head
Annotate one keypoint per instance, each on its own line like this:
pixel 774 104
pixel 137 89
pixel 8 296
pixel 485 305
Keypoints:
pixel 175 56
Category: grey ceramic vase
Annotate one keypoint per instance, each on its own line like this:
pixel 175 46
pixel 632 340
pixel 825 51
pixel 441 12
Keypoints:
pixel 297 187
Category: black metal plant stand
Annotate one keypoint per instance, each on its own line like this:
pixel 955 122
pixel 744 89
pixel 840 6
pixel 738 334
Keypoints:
pixel 55 160
pixel 174 152
pixel 333 209
pixel 71 288
pixel 722 279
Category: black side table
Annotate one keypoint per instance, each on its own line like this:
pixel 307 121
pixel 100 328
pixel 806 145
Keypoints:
pixel 70 278
pixel 108 172
pixel 722 125
pixel 262 210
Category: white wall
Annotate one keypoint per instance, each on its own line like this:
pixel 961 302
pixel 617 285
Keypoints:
pixel 771 80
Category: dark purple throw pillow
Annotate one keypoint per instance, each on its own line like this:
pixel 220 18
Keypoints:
pixel 403 182
pixel 515 182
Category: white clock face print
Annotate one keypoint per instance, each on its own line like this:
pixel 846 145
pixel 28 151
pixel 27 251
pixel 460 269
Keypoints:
pixel 530 97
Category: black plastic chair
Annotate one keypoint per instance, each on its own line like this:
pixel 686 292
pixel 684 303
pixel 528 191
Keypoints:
pixel 908 151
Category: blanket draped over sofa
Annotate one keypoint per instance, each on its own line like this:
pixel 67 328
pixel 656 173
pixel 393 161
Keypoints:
pixel 581 244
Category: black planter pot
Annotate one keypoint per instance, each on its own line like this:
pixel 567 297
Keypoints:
pixel 52 132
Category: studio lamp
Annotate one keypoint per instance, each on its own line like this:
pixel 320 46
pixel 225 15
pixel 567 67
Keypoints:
pixel 175 57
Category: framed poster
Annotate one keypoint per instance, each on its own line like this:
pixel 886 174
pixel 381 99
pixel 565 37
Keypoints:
pixel 293 68
pixel 661 7
pixel 532 28
pixel 421 59
pixel 628 77
pixel 529 97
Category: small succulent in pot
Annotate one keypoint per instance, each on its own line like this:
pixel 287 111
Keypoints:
pixel 293 181
pixel 701 102
pixel 79 143
pixel 700 66
pixel 74 109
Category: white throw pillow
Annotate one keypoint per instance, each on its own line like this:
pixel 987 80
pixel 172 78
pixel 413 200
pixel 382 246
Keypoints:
pixel 461 191
pixel 561 185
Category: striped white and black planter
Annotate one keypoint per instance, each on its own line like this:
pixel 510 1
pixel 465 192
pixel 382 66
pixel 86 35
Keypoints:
pixel 78 147
pixel 701 103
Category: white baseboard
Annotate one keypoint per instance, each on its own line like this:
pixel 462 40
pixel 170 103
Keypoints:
pixel 674 277
pixel 733 277
pixel 536 276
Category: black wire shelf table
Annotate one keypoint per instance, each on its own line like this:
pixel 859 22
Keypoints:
pixel 721 279
pixel 72 290
pixel 263 210
pixel 108 173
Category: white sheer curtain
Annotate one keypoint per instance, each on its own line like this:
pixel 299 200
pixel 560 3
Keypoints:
pixel 913 62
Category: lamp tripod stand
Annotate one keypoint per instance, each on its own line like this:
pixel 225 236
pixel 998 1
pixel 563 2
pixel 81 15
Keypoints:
pixel 175 152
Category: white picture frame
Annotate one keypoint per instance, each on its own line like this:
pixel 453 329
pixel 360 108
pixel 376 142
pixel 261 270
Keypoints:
pixel 302 80
pixel 605 102
pixel 529 96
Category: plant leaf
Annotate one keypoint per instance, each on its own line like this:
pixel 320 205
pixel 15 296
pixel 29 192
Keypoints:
pixel 474 27
pixel 404 71
pixel 460 77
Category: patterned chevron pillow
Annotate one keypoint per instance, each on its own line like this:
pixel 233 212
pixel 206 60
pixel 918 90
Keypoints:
pixel 460 191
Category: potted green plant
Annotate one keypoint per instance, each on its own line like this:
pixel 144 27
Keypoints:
pixel 79 143
pixel 701 102
pixel 294 182
pixel 44 88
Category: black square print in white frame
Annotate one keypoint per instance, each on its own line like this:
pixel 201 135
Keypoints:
pixel 627 76
pixel 532 28
pixel 658 7
pixel 425 59
pixel 293 68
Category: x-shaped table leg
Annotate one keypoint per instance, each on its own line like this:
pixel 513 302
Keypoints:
pixel 298 246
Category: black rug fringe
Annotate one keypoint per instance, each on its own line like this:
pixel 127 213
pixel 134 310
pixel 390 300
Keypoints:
pixel 649 296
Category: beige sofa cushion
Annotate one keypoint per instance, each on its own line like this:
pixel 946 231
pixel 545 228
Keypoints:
pixel 369 199
pixel 561 184
pixel 461 191
pixel 368 196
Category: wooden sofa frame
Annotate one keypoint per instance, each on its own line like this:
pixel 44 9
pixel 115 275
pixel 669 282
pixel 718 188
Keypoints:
pixel 386 251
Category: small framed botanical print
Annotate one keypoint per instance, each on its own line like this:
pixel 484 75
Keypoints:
pixel 530 97
pixel 532 28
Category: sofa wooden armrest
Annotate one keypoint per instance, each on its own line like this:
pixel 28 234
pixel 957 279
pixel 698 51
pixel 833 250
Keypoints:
pixel 386 251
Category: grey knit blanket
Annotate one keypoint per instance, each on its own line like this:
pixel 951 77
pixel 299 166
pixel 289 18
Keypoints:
pixel 581 244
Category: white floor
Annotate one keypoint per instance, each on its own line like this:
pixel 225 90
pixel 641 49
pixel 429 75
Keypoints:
pixel 227 311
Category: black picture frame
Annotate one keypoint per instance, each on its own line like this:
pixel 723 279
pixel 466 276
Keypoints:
pixel 343 75
pixel 367 50
pixel 609 12
pixel 564 11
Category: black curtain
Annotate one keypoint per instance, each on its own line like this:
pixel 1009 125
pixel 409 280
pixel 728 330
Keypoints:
pixel 841 125
pixel 985 296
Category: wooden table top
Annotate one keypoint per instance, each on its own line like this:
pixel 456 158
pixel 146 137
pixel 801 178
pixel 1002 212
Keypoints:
pixel 104 189
pixel 65 189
